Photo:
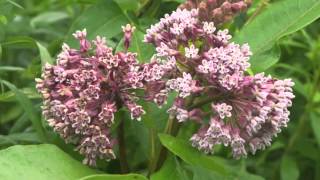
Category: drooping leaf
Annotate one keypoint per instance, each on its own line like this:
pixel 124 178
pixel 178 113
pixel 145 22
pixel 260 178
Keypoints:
pixel 289 168
pixel 115 177
pixel 279 19
pixel 191 155
pixel 40 162
pixel 105 18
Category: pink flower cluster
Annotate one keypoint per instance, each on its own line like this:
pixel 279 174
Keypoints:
pixel 84 91
pixel 201 64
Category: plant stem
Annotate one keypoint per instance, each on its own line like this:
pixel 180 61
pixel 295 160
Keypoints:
pixel 153 136
pixel 122 149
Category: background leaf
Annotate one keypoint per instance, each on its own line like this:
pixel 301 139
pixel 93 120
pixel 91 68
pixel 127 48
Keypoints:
pixel 289 168
pixel 104 19
pixel 279 19
pixel 28 107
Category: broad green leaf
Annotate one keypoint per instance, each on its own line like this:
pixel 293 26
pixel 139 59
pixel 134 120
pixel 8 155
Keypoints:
pixel 29 109
pixel 144 51
pixel 279 19
pixel 104 19
pixel 114 177
pixel 289 168
pixel 265 59
pixel 315 123
pixel 191 155
pixel 47 18
pixel 40 162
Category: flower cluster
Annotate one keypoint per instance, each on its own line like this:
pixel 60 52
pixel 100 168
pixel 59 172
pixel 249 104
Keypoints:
pixel 84 91
pixel 249 117
pixel 217 11
pixel 201 64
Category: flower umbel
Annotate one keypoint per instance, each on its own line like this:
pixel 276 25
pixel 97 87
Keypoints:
pixel 84 91
pixel 208 69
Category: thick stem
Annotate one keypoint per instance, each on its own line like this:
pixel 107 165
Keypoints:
pixel 122 149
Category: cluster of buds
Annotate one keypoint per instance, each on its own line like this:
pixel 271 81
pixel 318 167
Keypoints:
pixel 217 11
pixel 85 89
pixel 209 72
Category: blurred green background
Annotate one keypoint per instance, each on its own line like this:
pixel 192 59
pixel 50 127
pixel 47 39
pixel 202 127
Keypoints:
pixel 32 32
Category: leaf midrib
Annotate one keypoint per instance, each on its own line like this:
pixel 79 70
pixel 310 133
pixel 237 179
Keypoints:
pixel 278 35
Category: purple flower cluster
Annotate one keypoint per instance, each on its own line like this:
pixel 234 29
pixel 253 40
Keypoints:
pixel 201 64
pixel 84 91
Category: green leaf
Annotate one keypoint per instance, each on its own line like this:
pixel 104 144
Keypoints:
pixel 279 19
pixel 169 170
pixel 128 4
pixel 289 168
pixel 191 155
pixel 30 42
pixel 144 51
pixel 29 109
pixel 104 19
pixel 44 54
pixel 10 96
pixel 265 59
pixel 40 162
pixel 15 4
pixel 114 177
pixel 315 123
pixel 47 18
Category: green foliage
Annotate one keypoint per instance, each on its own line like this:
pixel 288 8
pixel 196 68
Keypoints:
pixel 283 35
pixel 40 162
pixel 279 19
pixel 190 155
pixel 114 177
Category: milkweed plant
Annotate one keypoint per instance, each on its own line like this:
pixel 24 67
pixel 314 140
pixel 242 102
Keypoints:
pixel 198 76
